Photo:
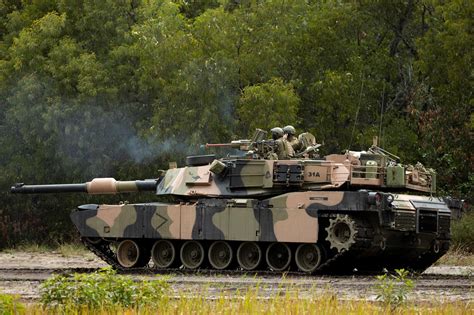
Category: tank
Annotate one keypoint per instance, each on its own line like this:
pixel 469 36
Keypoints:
pixel 361 211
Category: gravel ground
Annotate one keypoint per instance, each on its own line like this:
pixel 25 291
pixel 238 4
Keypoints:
pixel 22 273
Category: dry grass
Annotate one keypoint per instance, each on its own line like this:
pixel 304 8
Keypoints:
pixel 457 256
pixel 281 304
pixel 65 250
pixel 69 250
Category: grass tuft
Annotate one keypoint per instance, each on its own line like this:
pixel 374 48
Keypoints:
pixel 103 289
pixel 10 304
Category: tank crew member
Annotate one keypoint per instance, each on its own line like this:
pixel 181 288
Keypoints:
pixel 277 133
pixel 280 151
pixel 291 140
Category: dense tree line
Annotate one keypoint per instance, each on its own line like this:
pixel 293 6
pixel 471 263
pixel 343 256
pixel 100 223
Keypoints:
pixel 119 88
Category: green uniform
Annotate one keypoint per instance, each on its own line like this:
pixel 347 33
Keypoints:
pixel 289 151
pixel 282 150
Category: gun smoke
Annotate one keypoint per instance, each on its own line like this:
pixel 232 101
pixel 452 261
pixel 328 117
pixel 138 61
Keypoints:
pixel 96 141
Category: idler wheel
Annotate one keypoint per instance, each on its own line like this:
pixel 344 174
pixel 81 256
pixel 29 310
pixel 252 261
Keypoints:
pixel 163 254
pixel 192 254
pixel 308 257
pixel 278 256
pixel 341 232
pixel 131 255
pixel 249 255
pixel 220 255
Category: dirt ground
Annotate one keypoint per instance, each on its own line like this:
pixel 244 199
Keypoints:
pixel 22 273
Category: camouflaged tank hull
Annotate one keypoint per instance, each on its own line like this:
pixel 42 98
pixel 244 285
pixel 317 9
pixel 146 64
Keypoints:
pixel 307 231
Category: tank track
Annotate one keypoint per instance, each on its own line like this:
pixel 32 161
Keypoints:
pixel 103 251
pixel 337 262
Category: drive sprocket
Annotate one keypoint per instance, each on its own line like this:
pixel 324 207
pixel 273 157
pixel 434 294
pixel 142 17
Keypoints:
pixel 341 232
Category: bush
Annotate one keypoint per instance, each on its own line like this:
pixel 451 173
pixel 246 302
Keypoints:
pixel 462 232
pixel 101 290
pixel 393 289
pixel 9 304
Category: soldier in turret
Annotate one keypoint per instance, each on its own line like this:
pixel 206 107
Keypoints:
pixel 277 133
pixel 292 143
pixel 280 152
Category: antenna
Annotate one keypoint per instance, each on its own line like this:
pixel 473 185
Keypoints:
pixel 357 113
pixel 381 113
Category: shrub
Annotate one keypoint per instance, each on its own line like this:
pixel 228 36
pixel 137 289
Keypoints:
pixel 462 232
pixel 393 289
pixel 101 289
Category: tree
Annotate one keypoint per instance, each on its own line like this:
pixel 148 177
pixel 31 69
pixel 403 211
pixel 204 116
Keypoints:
pixel 267 105
pixel 445 115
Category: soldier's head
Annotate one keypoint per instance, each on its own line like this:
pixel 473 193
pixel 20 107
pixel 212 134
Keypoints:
pixel 277 133
pixel 289 131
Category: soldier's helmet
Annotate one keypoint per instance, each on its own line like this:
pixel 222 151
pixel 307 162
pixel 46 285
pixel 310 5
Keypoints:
pixel 290 130
pixel 277 133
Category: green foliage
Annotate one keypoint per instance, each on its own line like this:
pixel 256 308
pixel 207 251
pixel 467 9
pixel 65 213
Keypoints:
pixel 267 105
pixel 393 289
pixel 445 115
pixel 106 88
pixel 103 289
pixel 10 305
pixel 462 232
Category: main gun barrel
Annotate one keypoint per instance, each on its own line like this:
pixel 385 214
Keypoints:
pixel 97 186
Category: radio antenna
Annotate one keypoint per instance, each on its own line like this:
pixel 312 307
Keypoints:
pixel 357 113
pixel 381 114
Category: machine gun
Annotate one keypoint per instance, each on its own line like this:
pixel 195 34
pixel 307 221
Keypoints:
pixel 261 149
pixel 256 148
pixel 242 145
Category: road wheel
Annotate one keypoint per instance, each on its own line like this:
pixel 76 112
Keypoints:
pixel 192 254
pixel 249 255
pixel 163 254
pixel 131 255
pixel 220 255
pixel 278 256
pixel 308 257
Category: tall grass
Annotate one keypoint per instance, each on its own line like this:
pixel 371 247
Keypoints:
pixel 105 292
pixel 10 304
pixel 250 303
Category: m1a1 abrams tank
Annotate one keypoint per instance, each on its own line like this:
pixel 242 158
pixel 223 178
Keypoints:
pixel 357 210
